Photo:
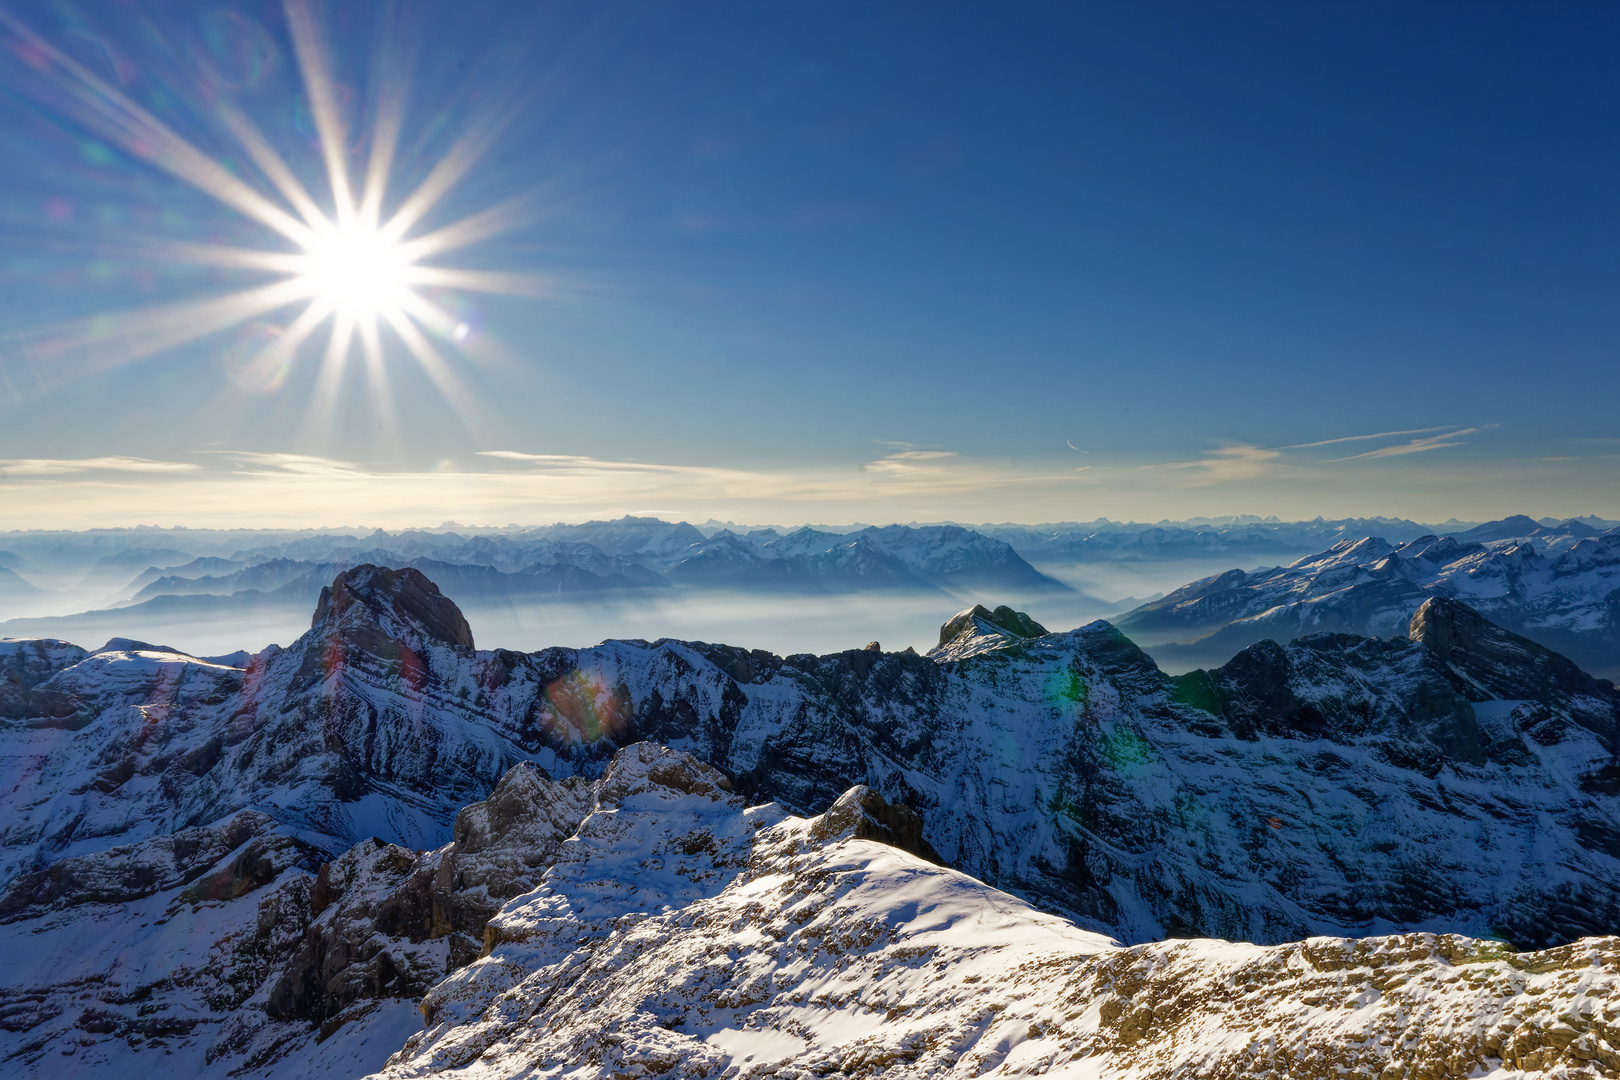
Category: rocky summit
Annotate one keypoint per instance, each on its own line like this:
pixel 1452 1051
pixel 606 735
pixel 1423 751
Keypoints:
pixel 383 849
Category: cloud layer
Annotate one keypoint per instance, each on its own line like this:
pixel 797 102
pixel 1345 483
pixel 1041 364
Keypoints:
pixel 1398 476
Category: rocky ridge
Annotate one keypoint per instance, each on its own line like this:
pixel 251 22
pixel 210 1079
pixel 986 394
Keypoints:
pixel 980 630
pixel 1250 801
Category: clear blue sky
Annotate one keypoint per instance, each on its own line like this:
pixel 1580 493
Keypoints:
pixel 867 261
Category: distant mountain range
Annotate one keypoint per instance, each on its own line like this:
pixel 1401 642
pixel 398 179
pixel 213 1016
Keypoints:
pixel 1559 586
pixel 1552 581
pixel 1090 541
pixel 561 561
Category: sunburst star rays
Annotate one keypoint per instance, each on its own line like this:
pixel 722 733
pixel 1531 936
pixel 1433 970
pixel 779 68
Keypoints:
pixel 354 269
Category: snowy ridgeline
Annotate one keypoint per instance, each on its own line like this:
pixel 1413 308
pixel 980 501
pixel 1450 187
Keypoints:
pixel 674 931
pixel 1561 589
pixel 192 883
pixel 47 573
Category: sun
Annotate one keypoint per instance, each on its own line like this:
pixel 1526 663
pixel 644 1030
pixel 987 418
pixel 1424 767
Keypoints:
pixel 357 271
pixel 353 261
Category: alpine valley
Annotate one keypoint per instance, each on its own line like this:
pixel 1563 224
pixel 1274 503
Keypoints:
pixel 383 850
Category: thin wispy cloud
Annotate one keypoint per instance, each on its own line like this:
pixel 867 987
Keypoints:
pixel 1366 438
pixel 904 462
pixel 1240 461
pixel 295 464
pixel 1414 446
pixel 66 466
pixel 581 463
pixel 237 487
pixel 499 485
pixel 907 471
pixel 1250 462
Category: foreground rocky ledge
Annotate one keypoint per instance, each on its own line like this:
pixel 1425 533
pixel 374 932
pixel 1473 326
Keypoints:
pixel 680 934
pixel 655 925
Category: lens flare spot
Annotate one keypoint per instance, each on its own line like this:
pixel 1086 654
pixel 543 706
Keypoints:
pixel 242 51
pixel 253 360
pixel 581 708
pixel 1068 690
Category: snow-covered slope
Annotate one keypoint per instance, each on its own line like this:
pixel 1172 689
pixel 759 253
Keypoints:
pixel 682 935
pixel 1561 589
pixel 651 923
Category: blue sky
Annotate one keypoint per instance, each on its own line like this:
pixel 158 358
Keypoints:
pixel 851 261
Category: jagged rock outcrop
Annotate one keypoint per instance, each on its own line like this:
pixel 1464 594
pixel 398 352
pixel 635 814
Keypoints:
pixel 369 723
pixel 369 939
pixel 389 608
pixel 862 813
pixel 1491 663
pixel 389 922
pixel 978 629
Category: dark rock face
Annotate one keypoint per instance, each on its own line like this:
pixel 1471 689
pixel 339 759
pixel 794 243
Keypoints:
pixel 1489 662
pixel 863 813
pixel 1267 690
pixel 24 666
pixel 398 603
pixel 359 901
pixel 217 863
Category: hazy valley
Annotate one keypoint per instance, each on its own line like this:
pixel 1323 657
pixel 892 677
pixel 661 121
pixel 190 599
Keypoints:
pixel 801 589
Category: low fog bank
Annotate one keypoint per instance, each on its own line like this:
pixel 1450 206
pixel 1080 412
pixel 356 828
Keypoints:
pixel 199 633
pixel 1114 586
pixel 780 624
pixel 801 590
